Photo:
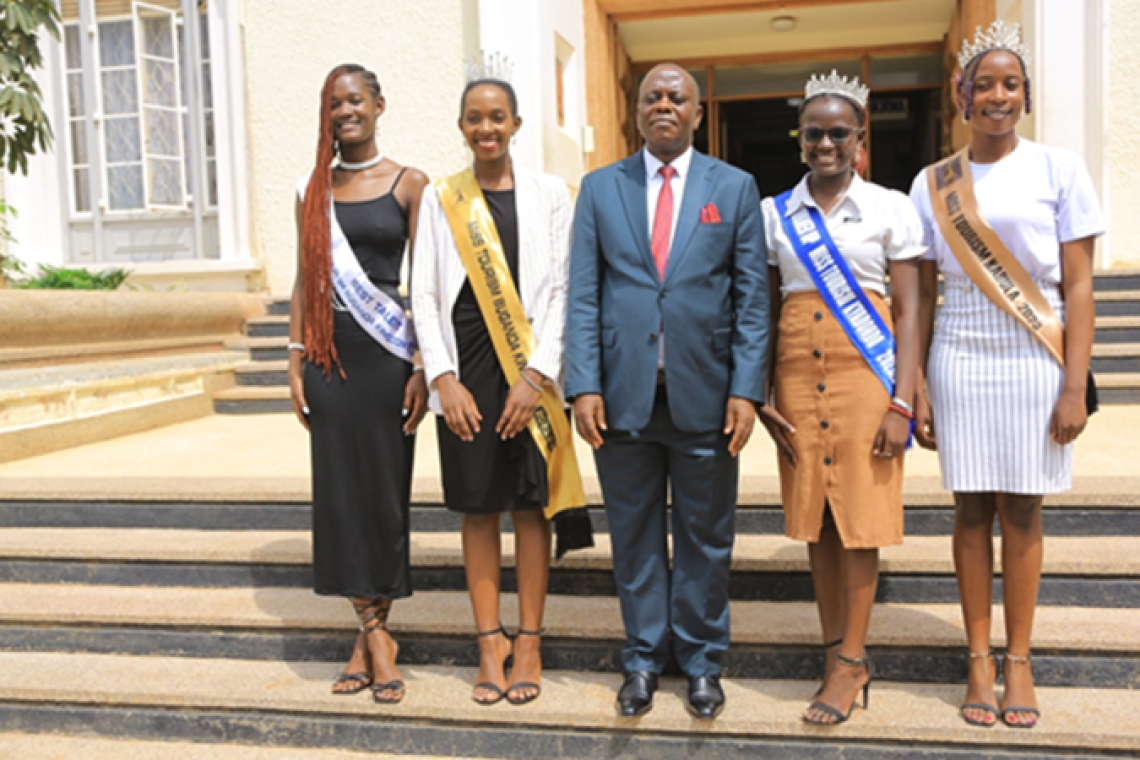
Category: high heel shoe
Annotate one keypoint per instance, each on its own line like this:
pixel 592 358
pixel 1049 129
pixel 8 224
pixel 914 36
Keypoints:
pixel 1007 712
pixel 990 710
pixel 374 619
pixel 828 645
pixel 863 662
pixel 499 694
pixel 524 685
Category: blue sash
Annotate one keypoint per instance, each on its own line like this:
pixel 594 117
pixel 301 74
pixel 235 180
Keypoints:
pixel 836 283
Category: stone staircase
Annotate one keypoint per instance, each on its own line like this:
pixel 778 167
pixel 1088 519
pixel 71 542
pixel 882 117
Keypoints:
pixel 193 622
pixel 263 386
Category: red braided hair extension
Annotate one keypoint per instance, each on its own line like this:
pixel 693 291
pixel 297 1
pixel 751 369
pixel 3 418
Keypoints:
pixel 316 241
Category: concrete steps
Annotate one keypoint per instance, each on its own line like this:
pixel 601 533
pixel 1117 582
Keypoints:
pixel 1078 571
pixel 194 621
pixel 1116 353
pixel 288 702
pixel 55 747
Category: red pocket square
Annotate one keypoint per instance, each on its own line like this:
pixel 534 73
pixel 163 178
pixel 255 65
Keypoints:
pixel 709 214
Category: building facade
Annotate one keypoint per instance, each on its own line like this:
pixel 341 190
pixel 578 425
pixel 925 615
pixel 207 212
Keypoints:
pixel 182 126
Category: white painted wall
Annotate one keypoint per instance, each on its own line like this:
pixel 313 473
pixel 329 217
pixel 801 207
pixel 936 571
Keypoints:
pixel 41 198
pixel 417 49
pixel 525 31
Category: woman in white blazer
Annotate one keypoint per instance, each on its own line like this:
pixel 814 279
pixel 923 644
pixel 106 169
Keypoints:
pixel 490 462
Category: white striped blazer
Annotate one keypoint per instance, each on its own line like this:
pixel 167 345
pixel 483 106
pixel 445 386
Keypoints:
pixel 544 214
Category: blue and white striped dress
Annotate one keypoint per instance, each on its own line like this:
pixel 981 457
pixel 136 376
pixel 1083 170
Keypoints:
pixel 992 386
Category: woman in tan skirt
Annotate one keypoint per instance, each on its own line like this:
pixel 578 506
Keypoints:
pixel 843 390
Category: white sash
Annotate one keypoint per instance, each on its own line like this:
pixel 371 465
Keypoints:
pixel 380 315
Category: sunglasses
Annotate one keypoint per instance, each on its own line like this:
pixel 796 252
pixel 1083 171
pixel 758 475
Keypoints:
pixel 838 135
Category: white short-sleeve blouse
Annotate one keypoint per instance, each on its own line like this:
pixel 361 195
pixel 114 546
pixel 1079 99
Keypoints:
pixel 1036 198
pixel 871 226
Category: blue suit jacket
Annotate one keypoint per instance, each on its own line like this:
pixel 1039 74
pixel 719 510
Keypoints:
pixel 713 302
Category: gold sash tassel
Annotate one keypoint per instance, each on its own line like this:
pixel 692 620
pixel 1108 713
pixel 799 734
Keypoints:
pixel 985 258
pixel 485 261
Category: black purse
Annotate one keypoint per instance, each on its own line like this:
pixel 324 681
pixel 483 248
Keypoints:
pixel 1092 399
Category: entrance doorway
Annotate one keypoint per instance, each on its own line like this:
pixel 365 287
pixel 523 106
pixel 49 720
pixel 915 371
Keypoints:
pixel 759 136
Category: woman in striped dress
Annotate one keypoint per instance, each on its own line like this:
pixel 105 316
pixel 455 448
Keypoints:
pixel 1005 411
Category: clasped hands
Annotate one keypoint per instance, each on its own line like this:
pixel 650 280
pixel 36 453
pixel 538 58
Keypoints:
pixel 462 414
pixel 590 419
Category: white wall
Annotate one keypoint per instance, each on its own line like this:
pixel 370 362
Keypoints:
pixel 525 31
pixel 41 198
pixel 417 49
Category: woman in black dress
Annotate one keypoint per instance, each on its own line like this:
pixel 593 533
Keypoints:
pixel 360 402
pixel 490 462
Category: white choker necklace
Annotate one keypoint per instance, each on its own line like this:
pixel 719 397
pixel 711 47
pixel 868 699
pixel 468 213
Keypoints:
pixel 361 166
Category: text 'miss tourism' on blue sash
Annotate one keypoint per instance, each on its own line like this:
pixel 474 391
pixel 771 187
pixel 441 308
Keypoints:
pixel 840 290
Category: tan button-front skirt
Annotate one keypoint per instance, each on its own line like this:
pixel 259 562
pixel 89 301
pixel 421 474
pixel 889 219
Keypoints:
pixel 836 403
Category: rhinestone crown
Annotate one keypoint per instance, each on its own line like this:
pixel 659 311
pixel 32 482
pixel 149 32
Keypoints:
pixel 490 66
pixel 833 84
pixel 1000 36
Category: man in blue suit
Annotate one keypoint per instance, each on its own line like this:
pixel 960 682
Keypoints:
pixel 666 352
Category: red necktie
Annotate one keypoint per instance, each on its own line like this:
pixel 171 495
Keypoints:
pixel 663 221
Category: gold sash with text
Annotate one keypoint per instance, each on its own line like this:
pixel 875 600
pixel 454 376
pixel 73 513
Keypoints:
pixel 985 258
pixel 483 257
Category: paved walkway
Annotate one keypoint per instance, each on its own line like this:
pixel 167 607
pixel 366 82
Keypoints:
pixel 266 456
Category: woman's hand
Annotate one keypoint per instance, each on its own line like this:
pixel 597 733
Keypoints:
pixel 1069 417
pixel 781 431
pixel 890 441
pixel 924 423
pixel 521 403
pixel 415 401
pixel 459 409
pixel 297 388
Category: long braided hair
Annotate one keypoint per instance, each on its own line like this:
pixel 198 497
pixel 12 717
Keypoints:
pixel 316 231
pixel 965 83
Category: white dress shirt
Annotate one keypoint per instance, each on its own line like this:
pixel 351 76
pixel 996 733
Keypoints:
pixel 654 182
pixel 871 226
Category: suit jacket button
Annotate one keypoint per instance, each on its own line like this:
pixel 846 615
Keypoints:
pixel 652 338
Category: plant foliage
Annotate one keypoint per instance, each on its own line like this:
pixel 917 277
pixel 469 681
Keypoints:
pixel 24 127
pixel 62 278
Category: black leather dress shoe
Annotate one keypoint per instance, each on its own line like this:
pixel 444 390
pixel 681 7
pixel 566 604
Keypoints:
pixel 636 695
pixel 706 698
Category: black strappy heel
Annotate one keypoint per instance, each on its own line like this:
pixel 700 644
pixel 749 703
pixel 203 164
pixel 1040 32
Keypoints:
pixel 499 694
pixel 828 645
pixel 984 707
pixel 861 662
pixel 373 618
pixel 525 684
pixel 1007 711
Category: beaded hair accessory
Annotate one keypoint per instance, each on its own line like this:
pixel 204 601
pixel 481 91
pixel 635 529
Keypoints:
pixel 999 36
pixel 833 84
pixel 489 66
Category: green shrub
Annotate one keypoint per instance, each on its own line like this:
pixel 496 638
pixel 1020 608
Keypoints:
pixel 62 278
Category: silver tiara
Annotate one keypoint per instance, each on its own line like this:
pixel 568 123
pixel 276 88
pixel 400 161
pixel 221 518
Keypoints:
pixel 833 84
pixel 1000 36
pixel 490 66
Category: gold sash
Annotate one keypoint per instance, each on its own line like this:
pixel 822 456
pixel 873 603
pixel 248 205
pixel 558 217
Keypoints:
pixel 486 264
pixel 985 258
